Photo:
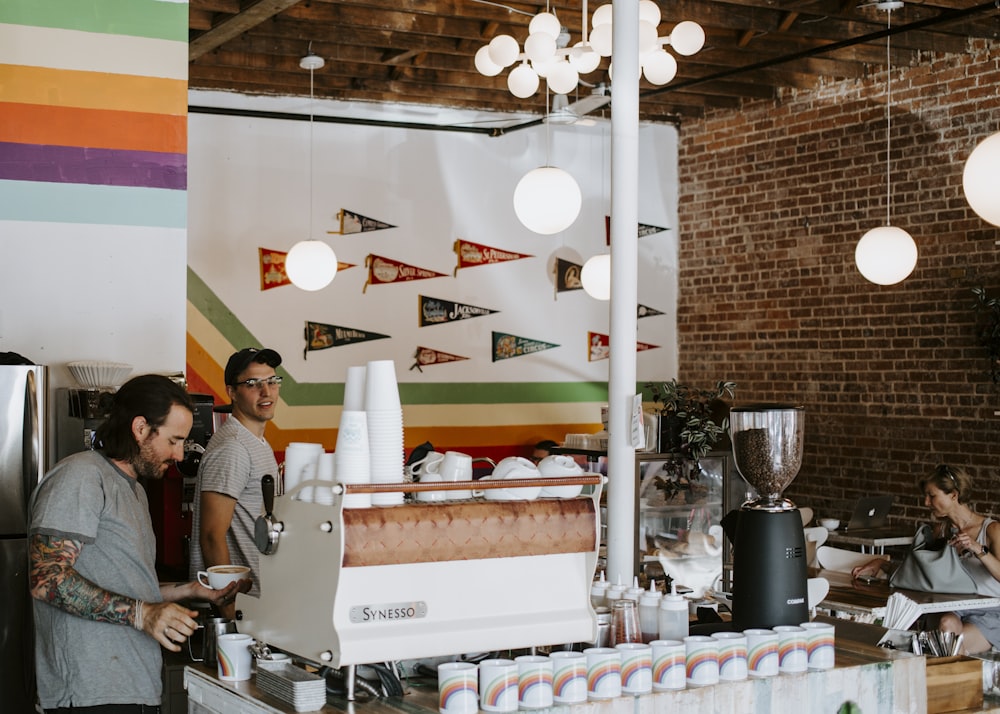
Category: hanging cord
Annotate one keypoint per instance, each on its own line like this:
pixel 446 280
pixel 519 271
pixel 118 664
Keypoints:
pixel 888 123
pixel 311 101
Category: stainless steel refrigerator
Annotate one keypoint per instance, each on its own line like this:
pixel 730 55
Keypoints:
pixel 23 448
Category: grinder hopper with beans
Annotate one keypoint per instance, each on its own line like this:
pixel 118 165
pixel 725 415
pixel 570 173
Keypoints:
pixel 769 550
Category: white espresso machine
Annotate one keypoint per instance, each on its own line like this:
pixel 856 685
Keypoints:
pixel 358 586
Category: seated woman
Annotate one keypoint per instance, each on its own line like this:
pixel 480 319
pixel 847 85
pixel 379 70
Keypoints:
pixel 977 538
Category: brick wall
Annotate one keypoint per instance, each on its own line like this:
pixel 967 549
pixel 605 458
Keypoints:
pixel 773 199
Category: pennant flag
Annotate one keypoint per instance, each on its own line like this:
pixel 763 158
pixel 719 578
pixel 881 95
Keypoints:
pixel 507 346
pixel 385 270
pixel 351 222
pixel 425 356
pixel 567 276
pixel 644 311
pixel 599 346
pixel 473 254
pixel 436 311
pixel 322 337
pixel 272 268
pixel 644 229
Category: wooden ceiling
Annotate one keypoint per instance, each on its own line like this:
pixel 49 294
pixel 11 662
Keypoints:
pixel 421 51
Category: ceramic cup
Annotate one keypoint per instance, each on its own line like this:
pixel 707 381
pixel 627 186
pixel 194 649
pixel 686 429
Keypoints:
pixel 219 576
pixel 458 688
pixel 604 673
pixel 569 677
pixel 534 682
pixel 432 496
pixel 701 655
pixel 762 652
pixel 819 645
pixel 792 654
pixel 235 658
pixel 456 466
pixel 498 685
pixel 732 655
pixel 669 670
pixel 428 464
pixel 637 667
pixel 555 466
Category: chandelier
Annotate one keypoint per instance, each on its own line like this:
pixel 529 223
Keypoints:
pixel 546 54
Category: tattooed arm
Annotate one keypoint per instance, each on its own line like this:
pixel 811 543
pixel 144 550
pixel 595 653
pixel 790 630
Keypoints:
pixel 53 579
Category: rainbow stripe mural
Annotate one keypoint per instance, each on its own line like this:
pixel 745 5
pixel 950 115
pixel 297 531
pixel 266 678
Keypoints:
pixel 93 112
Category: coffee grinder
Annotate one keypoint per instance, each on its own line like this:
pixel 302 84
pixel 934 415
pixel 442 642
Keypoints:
pixel 769 550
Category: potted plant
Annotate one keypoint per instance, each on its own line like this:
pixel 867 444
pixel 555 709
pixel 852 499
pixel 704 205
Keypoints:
pixel 988 328
pixel 692 421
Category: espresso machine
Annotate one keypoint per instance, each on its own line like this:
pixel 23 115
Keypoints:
pixel 769 550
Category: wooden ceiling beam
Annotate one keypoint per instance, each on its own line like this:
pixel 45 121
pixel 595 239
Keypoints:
pixel 235 25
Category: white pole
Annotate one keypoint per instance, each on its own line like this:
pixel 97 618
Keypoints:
pixel 624 296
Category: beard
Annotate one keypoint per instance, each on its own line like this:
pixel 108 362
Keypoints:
pixel 146 464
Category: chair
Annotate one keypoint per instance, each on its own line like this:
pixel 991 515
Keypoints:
pixel 807 515
pixel 815 538
pixel 841 560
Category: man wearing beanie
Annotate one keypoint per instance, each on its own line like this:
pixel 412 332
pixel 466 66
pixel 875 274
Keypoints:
pixel 228 496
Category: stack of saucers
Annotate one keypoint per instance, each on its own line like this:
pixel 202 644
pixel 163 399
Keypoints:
pixel 304 690
pixel 351 459
pixel 385 429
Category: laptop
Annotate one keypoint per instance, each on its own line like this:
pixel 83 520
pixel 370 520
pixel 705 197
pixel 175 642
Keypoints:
pixel 870 512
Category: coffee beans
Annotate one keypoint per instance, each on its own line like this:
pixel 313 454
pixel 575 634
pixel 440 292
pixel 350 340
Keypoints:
pixel 765 465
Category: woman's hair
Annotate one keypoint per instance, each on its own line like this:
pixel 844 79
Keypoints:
pixel 150 396
pixel 948 479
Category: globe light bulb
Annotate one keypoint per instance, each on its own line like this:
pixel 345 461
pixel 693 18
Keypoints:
pixel 602 16
pixel 687 38
pixel 522 81
pixel 545 22
pixel 647 37
pixel 562 77
pixel 981 179
pixel 311 265
pixel 539 47
pixel 596 277
pixel 584 58
pixel 485 65
pixel 504 50
pixel 649 12
pixel 547 200
pixel 600 40
pixel 659 67
pixel 886 255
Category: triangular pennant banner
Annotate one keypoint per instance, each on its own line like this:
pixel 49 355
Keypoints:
pixel 599 346
pixel 426 356
pixel 567 276
pixel 320 336
pixel 436 311
pixel 644 311
pixel 507 346
pixel 473 254
pixel 644 230
pixel 351 222
pixel 272 268
pixel 385 270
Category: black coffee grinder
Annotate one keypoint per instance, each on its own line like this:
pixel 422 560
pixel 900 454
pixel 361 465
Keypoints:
pixel 769 550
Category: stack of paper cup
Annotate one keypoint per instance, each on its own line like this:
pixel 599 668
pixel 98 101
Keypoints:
pixel 351 459
pixel 308 473
pixel 297 456
pixel 325 470
pixel 385 429
pixel 354 389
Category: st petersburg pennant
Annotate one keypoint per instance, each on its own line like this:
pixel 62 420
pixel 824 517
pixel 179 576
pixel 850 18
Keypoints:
pixel 507 346
pixel 599 346
pixel 272 268
pixel 351 222
pixel 644 229
pixel 567 276
pixel 473 254
pixel 385 270
pixel 436 311
pixel 322 337
pixel 426 356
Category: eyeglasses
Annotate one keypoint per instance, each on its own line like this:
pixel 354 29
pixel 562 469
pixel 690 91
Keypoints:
pixel 274 381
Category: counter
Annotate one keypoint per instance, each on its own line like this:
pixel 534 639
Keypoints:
pixel 880 681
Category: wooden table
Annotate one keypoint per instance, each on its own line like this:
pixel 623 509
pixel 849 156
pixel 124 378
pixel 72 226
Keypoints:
pixel 871 540
pixel 851 596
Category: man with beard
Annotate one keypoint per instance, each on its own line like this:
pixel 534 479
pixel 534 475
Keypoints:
pixel 100 613
pixel 228 496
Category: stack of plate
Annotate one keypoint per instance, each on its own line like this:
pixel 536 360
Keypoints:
pixel 304 690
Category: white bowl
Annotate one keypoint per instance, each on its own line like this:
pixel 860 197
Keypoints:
pixel 831 524
pixel 95 375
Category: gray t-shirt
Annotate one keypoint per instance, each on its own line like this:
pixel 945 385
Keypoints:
pixel 233 464
pixel 82 662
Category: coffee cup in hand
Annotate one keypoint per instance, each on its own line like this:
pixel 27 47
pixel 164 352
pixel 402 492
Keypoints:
pixel 219 576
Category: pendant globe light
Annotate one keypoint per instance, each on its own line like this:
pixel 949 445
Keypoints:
pixel 981 179
pixel 311 264
pixel 886 255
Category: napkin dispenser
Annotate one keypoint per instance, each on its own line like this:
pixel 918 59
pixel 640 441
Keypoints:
pixel 357 586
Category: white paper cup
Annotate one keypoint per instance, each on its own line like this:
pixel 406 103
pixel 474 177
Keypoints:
pixel 297 455
pixel 669 671
pixel 381 390
pixel 498 685
pixel 354 388
pixel 637 667
pixel 732 655
pixel 792 654
pixel 534 682
pixel 234 656
pixel 604 673
pixel 820 641
pixel 569 677
pixel 458 688
pixel 762 652
pixel 701 659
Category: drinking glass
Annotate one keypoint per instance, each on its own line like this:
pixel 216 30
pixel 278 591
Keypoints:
pixel 624 622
